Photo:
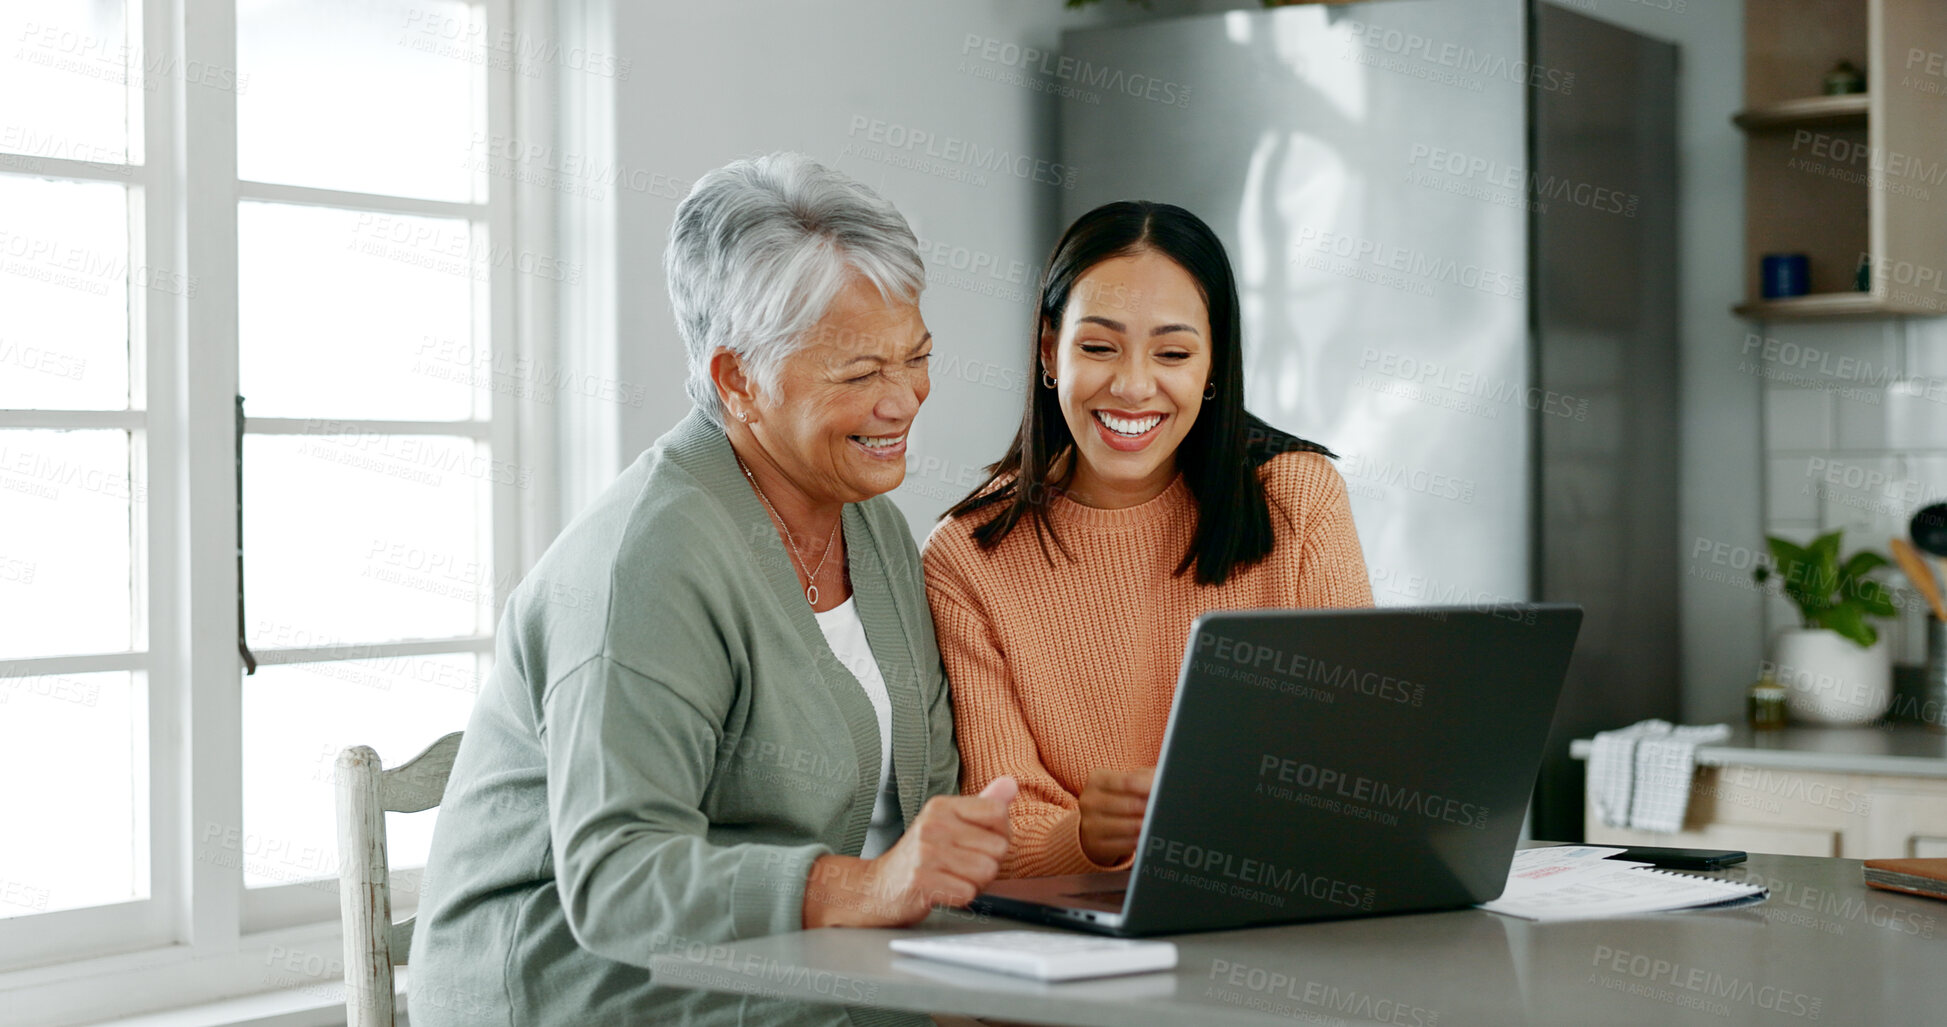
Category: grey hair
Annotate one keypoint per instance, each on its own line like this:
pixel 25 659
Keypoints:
pixel 759 249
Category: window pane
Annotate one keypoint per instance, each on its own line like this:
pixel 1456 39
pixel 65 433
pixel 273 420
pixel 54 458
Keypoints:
pixel 80 835
pixel 64 273
pixel 296 717
pixel 376 96
pixel 65 502
pixel 345 314
pixel 364 538
pixel 64 88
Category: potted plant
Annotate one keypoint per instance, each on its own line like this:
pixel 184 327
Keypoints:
pixel 1834 666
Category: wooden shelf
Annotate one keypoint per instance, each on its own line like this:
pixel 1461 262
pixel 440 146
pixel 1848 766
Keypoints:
pixel 1848 178
pixel 1805 112
pixel 1827 305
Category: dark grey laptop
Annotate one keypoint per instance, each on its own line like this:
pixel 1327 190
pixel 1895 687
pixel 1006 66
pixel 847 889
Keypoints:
pixel 1331 763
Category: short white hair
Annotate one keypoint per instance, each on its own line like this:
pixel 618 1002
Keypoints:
pixel 759 249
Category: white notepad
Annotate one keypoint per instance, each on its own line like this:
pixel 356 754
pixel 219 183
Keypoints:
pixel 1043 955
pixel 1576 882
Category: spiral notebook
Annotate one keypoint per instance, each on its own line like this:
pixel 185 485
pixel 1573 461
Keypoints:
pixel 1577 882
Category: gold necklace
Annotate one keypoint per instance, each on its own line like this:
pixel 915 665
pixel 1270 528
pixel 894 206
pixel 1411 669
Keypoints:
pixel 811 576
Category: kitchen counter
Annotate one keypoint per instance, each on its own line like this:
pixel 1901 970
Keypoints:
pixel 1905 750
pixel 1863 792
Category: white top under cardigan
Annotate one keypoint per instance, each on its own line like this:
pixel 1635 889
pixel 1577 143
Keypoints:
pixel 845 632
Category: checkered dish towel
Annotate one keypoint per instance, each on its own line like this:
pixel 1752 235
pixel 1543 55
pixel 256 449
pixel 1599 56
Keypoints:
pixel 1639 776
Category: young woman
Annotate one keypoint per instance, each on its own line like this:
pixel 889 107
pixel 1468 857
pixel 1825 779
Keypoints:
pixel 1138 494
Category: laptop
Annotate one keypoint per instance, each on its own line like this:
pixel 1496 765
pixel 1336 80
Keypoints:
pixel 1321 764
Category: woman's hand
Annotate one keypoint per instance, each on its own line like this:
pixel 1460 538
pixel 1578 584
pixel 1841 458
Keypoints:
pixel 1113 804
pixel 949 853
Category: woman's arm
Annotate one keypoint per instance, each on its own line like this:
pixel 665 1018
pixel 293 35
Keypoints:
pixel 995 740
pixel 628 759
pixel 1331 565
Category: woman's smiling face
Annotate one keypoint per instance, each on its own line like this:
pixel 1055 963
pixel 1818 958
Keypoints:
pixel 847 396
pixel 1132 359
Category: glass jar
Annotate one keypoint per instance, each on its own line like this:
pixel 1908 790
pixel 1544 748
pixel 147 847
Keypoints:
pixel 1767 704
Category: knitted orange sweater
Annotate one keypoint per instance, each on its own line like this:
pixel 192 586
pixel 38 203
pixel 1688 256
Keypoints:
pixel 1057 671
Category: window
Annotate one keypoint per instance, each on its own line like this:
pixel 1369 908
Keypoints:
pixel 293 203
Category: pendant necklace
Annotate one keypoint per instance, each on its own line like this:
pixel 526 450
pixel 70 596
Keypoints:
pixel 811 574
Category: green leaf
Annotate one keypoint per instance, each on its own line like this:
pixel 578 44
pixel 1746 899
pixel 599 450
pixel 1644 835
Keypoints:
pixel 1849 620
pixel 1784 553
pixel 1862 563
pixel 1880 604
pixel 1823 554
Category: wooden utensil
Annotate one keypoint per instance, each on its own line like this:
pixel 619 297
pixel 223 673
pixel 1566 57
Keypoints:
pixel 1919 573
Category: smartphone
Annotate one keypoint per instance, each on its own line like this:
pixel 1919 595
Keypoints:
pixel 1681 859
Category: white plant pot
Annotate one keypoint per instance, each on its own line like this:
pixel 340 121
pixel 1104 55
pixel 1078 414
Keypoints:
pixel 1829 679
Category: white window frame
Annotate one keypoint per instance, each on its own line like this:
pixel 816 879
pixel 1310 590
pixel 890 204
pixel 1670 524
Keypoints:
pixel 201 935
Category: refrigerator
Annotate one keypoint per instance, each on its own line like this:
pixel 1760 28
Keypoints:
pixel 1453 224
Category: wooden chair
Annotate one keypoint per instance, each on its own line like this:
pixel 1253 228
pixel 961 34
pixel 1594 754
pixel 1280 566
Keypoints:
pixel 373 943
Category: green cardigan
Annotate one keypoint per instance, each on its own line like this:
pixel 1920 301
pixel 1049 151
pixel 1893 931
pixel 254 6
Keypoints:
pixel 664 746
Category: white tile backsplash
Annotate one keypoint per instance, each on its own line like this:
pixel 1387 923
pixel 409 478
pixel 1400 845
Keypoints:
pixel 1855 439
pixel 1789 495
pixel 1797 419
pixel 1836 355
pixel 1859 421
pixel 1926 347
pixel 1916 414
pixel 1861 497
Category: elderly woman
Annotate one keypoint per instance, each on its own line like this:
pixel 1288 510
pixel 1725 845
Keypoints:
pixel 717 697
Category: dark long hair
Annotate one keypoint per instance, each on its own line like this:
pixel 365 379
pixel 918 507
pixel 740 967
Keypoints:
pixel 1221 454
